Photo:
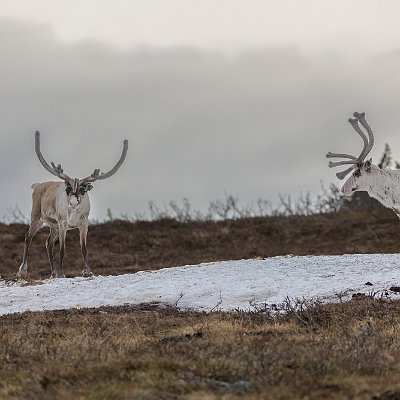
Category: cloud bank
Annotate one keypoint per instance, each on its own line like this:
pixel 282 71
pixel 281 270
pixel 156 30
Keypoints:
pixel 200 123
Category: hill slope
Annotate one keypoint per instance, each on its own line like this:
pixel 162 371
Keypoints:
pixel 120 247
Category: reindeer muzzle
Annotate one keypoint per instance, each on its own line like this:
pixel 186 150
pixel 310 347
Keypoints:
pixel 73 201
pixel 347 188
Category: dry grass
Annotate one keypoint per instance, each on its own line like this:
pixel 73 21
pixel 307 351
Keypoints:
pixel 119 247
pixel 349 350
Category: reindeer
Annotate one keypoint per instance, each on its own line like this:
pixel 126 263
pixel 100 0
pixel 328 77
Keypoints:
pixel 381 184
pixel 62 206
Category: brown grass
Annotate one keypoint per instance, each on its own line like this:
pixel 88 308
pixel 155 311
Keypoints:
pixel 120 247
pixel 342 351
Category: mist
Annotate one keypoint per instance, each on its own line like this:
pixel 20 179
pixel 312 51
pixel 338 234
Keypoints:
pixel 200 123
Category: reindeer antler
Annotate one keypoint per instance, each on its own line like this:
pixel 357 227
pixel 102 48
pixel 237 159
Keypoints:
pixel 59 172
pixel 55 170
pixel 368 144
pixel 104 175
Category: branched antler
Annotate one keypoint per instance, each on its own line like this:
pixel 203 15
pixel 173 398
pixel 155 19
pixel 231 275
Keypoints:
pixel 59 172
pixel 55 170
pixel 368 144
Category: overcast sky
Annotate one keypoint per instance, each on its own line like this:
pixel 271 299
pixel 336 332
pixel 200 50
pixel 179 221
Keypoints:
pixel 242 97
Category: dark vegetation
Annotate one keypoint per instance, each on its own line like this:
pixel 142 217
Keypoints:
pixel 118 247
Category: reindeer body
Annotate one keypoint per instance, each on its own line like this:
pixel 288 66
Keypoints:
pixel 381 184
pixel 50 205
pixel 62 206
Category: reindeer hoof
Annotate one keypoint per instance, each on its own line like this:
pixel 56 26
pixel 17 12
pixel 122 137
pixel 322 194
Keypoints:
pixel 23 272
pixel 87 274
pixel 56 276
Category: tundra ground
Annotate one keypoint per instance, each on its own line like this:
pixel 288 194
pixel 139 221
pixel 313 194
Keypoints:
pixel 349 350
pixel 342 351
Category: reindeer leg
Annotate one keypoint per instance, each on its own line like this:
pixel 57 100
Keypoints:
pixel 62 237
pixel 50 243
pixel 33 228
pixel 83 234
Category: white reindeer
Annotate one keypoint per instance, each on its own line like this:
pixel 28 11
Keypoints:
pixel 381 184
pixel 62 206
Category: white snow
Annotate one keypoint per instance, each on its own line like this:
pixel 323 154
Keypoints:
pixel 221 285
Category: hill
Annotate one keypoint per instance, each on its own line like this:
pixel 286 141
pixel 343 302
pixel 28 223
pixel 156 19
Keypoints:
pixel 119 247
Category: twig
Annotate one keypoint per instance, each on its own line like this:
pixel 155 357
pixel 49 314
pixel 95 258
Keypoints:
pixel 178 299
pixel 218 303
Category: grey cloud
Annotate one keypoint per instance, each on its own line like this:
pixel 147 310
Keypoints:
pixel 199 122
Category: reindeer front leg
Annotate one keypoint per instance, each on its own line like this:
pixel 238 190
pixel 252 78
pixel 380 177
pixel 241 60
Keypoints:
pixel 83 234
pixel 50 243
pixel 62 237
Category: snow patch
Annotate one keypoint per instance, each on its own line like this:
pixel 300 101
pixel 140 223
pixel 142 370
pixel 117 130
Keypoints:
pixel 223 285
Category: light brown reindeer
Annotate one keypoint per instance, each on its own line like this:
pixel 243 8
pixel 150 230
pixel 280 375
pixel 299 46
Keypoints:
pixel 62 206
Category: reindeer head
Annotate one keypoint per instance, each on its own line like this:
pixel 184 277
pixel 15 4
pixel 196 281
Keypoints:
pixel 75 188
pixel 360 179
